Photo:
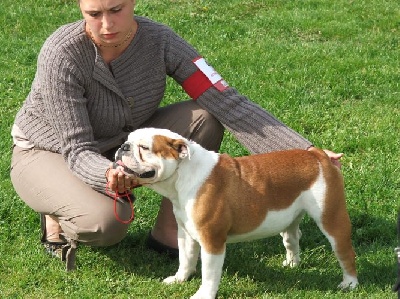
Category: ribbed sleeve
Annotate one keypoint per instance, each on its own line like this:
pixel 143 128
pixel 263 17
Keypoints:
pixel 258 130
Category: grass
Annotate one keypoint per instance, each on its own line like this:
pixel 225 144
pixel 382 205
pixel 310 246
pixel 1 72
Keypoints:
pixel 329 69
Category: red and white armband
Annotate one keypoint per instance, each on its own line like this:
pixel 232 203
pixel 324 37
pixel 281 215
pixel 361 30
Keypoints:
pixel 202 79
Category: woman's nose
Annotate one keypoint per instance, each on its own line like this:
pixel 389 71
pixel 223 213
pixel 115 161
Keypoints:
pixel 107 21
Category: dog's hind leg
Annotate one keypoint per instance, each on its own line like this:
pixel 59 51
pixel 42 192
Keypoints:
pixel 334 222
pixel 291 237
pixel 340 239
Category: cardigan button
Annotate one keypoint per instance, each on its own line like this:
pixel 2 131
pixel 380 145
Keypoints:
pixel 130 102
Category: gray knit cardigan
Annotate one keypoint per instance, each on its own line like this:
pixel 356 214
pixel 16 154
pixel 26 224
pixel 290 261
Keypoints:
pixel 80 107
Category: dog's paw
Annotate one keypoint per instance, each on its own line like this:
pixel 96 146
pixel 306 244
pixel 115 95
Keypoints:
pixel 201 295
pixel 196 296
pixel 291 263
pixel 175 279
pixel 171 279
pixel 349 283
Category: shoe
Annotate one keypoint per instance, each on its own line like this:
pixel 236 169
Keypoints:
pixel 153 244
pixel 59 248
pixel 56 248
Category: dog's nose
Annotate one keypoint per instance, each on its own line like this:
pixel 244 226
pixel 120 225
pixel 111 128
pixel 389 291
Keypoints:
pixel 125 147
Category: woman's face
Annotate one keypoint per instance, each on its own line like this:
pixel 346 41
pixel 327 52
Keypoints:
pixel 108 20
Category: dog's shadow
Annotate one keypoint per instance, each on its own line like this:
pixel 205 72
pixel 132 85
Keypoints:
pixel 260 262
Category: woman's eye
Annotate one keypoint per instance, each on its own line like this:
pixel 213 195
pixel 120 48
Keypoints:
pixel 94 14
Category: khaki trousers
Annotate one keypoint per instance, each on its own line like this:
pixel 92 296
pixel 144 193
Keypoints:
pixel 44 182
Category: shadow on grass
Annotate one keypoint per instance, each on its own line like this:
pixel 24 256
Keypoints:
pixel 132 255
pixel 256 266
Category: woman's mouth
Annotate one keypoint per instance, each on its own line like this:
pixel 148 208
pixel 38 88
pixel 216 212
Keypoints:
pixel 109 36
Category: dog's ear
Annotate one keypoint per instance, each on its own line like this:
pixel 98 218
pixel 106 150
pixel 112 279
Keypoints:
pixel 182 148
pixel 170 148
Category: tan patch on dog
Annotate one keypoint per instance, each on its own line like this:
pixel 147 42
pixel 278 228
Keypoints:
pixel 235 199
pixel 166 147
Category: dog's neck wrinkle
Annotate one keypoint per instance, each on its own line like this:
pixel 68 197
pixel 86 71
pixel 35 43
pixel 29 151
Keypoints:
pixel 174 186
pixel 163 187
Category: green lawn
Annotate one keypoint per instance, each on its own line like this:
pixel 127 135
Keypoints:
pixel 329 69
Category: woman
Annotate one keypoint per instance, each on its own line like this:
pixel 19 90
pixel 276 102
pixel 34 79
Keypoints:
pixel 98 79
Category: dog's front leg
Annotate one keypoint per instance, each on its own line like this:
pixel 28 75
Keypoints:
pixel 211 272
pixel 189 250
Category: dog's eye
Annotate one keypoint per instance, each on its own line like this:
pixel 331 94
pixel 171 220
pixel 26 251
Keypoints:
pixel 143 147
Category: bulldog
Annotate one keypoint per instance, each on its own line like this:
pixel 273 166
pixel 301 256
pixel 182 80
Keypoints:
pixel 218 199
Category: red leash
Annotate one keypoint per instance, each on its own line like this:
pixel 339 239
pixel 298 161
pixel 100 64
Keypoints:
pixel 127 195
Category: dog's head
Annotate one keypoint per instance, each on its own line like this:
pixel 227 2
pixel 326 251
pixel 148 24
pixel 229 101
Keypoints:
pixel 152 155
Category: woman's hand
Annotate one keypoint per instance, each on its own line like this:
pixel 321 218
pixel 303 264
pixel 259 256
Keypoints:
pixel 333 156
pixel 118 181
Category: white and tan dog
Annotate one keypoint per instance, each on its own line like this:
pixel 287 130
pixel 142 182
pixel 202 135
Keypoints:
pixel 218 199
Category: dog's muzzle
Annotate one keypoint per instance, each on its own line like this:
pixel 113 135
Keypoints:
pixel 118 157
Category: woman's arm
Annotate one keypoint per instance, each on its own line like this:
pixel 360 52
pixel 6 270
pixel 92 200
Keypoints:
pixel 257 129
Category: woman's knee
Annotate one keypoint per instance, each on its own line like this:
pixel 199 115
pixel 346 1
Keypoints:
pixel 190 120
pixel 208 131
pixel 84 214
pixel 95 229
